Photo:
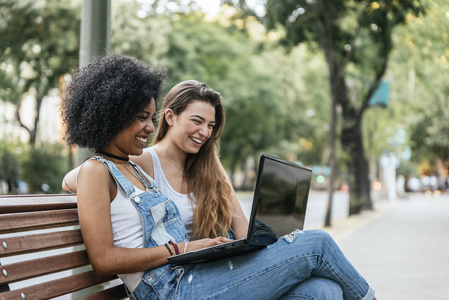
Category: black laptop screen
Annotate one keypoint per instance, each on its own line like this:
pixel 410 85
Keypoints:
pixel 283 194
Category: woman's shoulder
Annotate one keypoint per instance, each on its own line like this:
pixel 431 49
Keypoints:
pixel 145 161
pixel 95 176
pixel 93 167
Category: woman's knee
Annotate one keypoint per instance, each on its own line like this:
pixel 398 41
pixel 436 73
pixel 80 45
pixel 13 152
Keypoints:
pixel 316 288
pixel 316 235
pixel 320 233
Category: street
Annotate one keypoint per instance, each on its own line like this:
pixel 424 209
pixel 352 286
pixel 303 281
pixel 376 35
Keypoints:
pixel 400 247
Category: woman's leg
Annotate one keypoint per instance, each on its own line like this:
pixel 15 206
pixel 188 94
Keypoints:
pixel 272 272
pixel 315 288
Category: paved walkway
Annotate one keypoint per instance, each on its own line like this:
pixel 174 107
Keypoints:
pixel 401 248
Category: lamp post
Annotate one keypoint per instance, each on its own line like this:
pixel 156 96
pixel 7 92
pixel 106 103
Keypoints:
pixel 95 41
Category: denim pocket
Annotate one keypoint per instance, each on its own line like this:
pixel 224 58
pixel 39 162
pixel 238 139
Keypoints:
pixel 173 222
pixel 167 223
pixel 158 283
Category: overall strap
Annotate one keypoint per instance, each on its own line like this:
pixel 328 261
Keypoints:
pixel 148 181
pixel 125 185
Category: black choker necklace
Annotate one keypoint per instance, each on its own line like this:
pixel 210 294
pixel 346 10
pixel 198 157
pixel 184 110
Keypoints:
pixel 113 156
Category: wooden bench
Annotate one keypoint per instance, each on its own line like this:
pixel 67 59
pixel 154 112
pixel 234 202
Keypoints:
pixel 42 254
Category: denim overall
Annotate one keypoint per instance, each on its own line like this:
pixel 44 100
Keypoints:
pixel 161 223
pixel 302 264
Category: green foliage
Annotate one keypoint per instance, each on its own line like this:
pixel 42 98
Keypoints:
pixel 276 101
pixel 9 167
pixel 407 169
pixel 207 52
pixel 40 42
pixel 43 165
pixel 43 168
pixel 9 170
pixel 306 20
pixel 267 92
pixel 144 38
pixel 420 66
pixel 227 60
pixel 265 100
pixel 429 135
pixel 356 39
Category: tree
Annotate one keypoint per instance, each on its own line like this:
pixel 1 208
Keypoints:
pixel 190 47
pixel 421 63
pixel 9 171
pixel 228 61
pixel 43 167
pixel 356 38
pixel 40 43
pixel 267 103
pixel 137 32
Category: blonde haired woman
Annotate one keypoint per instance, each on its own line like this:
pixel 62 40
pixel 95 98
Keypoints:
pixel 185 164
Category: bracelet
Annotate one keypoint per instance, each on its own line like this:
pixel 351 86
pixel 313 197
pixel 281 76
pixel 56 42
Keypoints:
pixel 174 246
pixel 185 247
pixel 168 248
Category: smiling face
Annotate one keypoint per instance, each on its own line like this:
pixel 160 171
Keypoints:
pixel 134 138
pixel 192 127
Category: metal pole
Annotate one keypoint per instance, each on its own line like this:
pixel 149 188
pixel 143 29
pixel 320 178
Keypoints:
pixel 95 41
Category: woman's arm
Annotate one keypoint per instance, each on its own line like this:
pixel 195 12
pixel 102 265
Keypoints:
pixel 96 189
pixel 239 222
pixel 69 181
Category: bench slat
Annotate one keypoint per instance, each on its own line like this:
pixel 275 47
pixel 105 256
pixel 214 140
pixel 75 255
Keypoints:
pixel 116 292
pixel 38 242
pixel 57 287
pixel 35 220
pixel 20 203
pixel 42 266
pixel 21 213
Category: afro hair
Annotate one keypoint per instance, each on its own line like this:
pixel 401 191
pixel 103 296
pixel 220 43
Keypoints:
pixel 105 96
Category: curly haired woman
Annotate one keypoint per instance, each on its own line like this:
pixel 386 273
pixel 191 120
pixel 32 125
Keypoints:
pixel 130 227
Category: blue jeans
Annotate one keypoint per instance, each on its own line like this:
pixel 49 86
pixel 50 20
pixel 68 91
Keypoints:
pixel 303 264
pixel 315 288
pixel 287 268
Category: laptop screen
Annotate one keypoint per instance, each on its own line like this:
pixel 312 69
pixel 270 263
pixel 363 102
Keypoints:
pixel 282 195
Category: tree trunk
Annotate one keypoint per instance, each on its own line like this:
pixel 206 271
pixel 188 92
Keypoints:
pixel 351 134
pixel 32 131
pixel 352 144
pixel 332 158
pixel 359 183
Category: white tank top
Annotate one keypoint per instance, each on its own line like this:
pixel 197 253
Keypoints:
pixel 182 201
pixel 127 230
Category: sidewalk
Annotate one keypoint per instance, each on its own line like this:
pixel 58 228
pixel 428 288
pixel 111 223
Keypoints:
pixel 401 248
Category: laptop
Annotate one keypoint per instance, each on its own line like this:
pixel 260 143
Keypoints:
pixel 279 200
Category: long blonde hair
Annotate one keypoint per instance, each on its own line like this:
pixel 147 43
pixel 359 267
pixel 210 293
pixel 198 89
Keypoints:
pixel 205 180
